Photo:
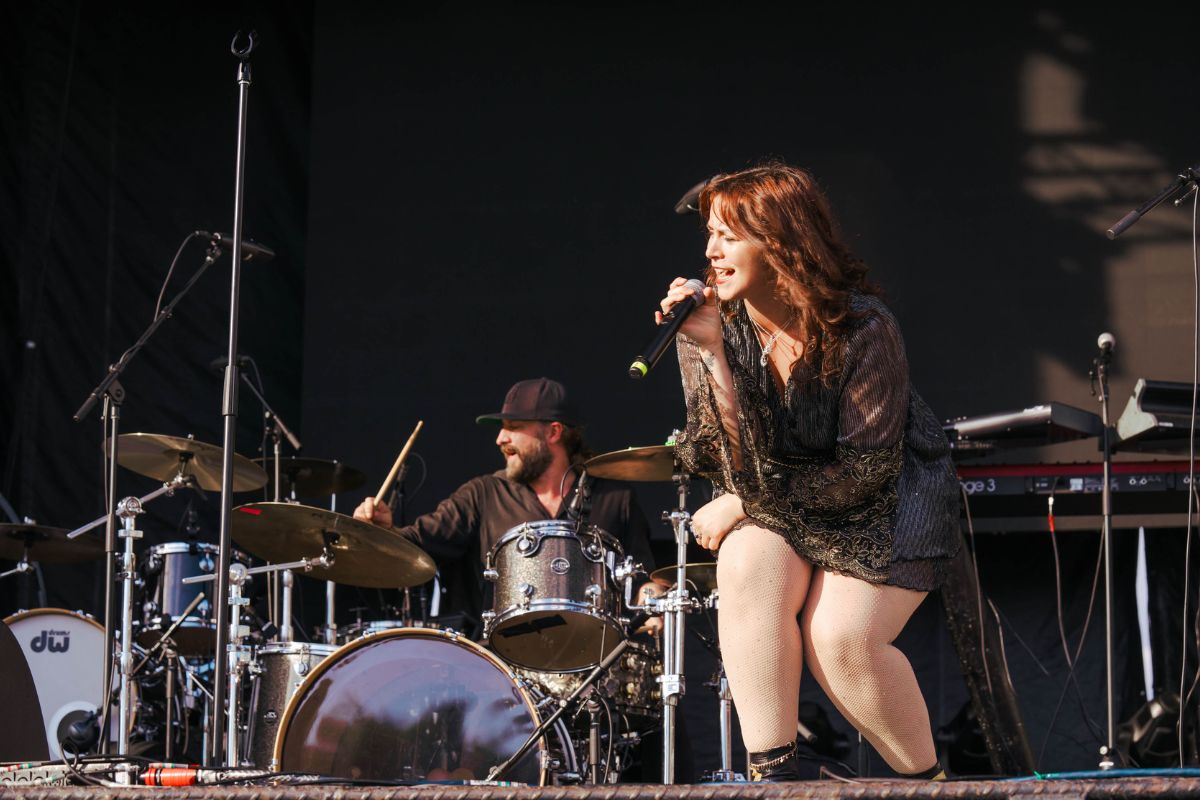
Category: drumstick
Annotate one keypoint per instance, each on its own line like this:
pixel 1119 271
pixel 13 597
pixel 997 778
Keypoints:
pixel 387 484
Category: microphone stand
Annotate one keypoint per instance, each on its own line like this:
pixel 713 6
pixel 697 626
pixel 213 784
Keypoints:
pixel 113 395
pixel 1100 389
pixel 229 404
pixel 1185 180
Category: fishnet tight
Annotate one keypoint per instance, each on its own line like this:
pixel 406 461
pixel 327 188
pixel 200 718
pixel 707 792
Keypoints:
pixel 848 626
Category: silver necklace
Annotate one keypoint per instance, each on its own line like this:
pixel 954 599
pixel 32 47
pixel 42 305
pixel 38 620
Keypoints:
pixel 769 345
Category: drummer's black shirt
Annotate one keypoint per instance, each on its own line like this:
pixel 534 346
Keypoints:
pixel 468 524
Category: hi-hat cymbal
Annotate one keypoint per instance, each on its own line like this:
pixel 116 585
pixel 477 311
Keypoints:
pixel 656 463
pixel 364 554
pixel 312 477
pixel 703 574
pixel 46 544
pixel 159 456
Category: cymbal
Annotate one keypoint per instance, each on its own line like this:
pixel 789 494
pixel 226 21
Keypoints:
pixel 364 554
pixel 46 544
pixel 703 574
pixel 312 477
pixel 158 456
pixel 656 463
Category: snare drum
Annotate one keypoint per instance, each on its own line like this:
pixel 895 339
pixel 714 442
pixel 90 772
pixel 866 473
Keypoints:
pixel 414 704
pixel 165 567
pixel 276 671
pixel 64 650
pixel 556 606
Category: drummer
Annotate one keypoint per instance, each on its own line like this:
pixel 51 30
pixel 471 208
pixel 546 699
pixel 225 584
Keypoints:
pixel 541 440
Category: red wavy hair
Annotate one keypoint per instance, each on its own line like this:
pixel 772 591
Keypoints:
pixel 782 210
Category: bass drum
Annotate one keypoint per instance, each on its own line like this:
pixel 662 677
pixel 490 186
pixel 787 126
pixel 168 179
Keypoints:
pixel 65 654
pixel 415 704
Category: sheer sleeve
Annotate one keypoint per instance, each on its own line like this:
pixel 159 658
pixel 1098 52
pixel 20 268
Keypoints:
pixel 860 477
pixel 698 446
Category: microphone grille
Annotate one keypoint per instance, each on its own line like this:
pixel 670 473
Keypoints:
pixel 697 287
pixel 1106 341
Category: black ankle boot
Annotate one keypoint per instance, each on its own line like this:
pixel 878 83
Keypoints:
pixel 775 765
pixel 935 773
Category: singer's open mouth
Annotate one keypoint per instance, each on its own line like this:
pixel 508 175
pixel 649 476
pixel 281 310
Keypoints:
pixel 723 273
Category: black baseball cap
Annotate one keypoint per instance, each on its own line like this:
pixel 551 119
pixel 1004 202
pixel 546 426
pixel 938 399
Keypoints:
pixel 540 399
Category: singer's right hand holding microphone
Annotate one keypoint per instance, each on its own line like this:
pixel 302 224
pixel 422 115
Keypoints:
pixel 703 326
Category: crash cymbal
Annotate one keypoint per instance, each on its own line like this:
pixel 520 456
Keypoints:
pixel 158 456
pixel 364 554
pixel 656 463
pixel 46 544
pixel 703 574
pixel 311 477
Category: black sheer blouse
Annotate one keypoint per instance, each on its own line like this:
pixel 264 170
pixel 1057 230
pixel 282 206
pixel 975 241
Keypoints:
pixel 855 476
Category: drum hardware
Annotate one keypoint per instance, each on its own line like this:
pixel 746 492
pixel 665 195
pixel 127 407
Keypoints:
pixel 128 510
pixel 673 606
pixel 239 654
pixel 593 706
pixel 501 769
pixel 180 480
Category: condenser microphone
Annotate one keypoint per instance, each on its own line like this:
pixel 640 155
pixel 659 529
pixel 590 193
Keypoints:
pixel 250 249
pixel 665 334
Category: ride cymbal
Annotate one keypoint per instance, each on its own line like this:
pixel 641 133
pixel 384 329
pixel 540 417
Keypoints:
pixel 703 574
pixel 46 544
pixel 364 554
pixel 311 477
pixel 656 463
pixel 162 457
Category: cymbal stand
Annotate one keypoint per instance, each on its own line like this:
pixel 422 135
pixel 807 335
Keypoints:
pixel 128 510
pixel 23 566
pixel 720 686
pixel 181 481
pixel 673 606
pixel 331 595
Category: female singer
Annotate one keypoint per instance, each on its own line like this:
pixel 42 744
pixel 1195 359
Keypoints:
pixel 836 497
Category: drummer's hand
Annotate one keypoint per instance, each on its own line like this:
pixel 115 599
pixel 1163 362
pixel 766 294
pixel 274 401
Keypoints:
pixel 703 325
pixel 716 519
pixel 368 511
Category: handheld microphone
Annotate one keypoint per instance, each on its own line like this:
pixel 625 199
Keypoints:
pixel 1106 342
pixel 250 249
pixel 665 334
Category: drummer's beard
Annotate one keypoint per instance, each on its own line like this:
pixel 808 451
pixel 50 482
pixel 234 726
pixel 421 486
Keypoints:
pixel 530 463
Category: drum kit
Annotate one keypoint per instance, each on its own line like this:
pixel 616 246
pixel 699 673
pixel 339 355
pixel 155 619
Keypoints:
pixel 558 692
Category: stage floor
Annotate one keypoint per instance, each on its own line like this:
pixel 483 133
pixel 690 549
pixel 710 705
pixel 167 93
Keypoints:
pixel 1117 787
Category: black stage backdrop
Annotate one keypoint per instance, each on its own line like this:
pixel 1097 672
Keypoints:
pixel 462 196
